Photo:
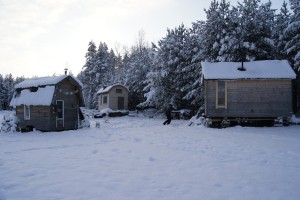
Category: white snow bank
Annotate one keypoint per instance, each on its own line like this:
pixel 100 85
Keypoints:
pixel 268 69
pixel 295 120
pixel 42 97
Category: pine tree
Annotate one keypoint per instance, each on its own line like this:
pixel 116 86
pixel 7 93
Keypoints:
pixel 292 34
pixel 85 75
pixel 9 84
pixel 3 94
pixel 281 23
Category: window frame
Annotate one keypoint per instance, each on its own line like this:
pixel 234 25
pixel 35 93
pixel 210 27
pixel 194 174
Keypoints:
pixel 218 104
pixel 26 112
pixel 105 99
pixel 119 91
pixel 62 119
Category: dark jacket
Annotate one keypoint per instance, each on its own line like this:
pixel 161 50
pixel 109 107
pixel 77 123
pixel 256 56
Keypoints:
pixel 168 111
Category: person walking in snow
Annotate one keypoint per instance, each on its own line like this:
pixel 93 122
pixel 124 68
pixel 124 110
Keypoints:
pixel 168 113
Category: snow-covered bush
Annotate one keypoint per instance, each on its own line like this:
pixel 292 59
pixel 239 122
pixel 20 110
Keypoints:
pixel 8 122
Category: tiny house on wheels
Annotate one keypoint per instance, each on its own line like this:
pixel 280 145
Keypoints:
pixel 247 91
pixel 114 97
pixel 48 103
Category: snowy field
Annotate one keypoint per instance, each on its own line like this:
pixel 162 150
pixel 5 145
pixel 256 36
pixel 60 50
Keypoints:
pixel 137 158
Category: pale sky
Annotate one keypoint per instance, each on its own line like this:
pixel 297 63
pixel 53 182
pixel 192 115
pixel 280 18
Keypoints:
pixel 42 37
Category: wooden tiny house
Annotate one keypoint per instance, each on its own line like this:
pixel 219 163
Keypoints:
pixel 48 103
pixel 261 91
pixel 114 97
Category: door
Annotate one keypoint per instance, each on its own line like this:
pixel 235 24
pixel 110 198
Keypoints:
pixel 60 114
pixel 120 103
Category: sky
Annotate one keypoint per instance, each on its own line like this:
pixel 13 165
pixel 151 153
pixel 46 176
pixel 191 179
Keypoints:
pixel 42 37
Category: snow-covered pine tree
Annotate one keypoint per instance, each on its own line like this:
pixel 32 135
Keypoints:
pixel 168 77
pixel 280 24
pixel 254 30
pixel 3 93
pixel 9 84
pixel 85 75
pixel 193 71
pixel 292 34
pixel 212 32
pixel 138 63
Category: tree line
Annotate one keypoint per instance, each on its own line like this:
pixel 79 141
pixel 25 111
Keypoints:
pixel 170 71
pixel 7 83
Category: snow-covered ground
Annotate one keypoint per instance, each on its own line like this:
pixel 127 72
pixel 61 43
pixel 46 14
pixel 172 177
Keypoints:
pixel 137 158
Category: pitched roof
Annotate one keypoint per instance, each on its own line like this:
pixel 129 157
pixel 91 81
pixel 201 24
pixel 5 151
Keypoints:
pixel 266 69
pixel 42 81
pixel 43 95
pixel 108 88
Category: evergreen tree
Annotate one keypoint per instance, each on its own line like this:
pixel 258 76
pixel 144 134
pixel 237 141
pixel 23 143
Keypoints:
pixel 85 76
pixel 281 23
pixel 292 34
pixel 138 63
pixel 9 84
pixel 3 94
pixel 193 71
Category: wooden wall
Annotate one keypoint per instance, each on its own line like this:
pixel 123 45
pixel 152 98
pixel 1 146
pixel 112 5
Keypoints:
pixel 39 117
pixel 67 92
pixel 250 98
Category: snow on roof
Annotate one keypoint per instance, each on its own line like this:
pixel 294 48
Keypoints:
pixel 42 81
pixel 108 88
pixel 267 69
pixel 42 97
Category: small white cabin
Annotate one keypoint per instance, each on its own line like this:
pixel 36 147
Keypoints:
pixel 114 97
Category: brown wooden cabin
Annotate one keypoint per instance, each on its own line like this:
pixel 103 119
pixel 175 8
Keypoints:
pixel 114 97
pixel 48 103
pixel 249 91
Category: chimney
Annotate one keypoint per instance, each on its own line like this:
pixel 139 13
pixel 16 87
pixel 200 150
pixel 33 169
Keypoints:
pixel 66 71
pixel 242 68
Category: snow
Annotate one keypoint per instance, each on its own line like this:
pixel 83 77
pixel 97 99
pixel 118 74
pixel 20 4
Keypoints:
pixel 138 158
pixel 42 97
pixel 42 81
pixel 108 88
pixel 268 69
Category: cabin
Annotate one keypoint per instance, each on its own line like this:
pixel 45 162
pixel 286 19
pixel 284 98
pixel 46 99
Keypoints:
pixel 247 91
pixel 48 103
pixel 114 97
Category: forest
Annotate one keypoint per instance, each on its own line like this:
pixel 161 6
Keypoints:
pixel 169 70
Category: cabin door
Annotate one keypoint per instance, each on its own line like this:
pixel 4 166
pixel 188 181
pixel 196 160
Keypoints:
pixel 120 103
pixel 60 114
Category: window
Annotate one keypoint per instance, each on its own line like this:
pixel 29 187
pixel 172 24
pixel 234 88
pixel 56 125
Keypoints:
pixel 119 91
pixel 60 114
pixel 26 112
pixel 221 96
pixel 104 99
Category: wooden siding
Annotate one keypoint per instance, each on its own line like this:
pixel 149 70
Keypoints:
pixel 112 98
pixel 39 117
pixel 251 98
pixel 66 92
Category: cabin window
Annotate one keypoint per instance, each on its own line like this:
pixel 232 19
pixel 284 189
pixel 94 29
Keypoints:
pixel 60 113
pixel 26 112
pixel 104 99
pixel 221 94
pixel 119 91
